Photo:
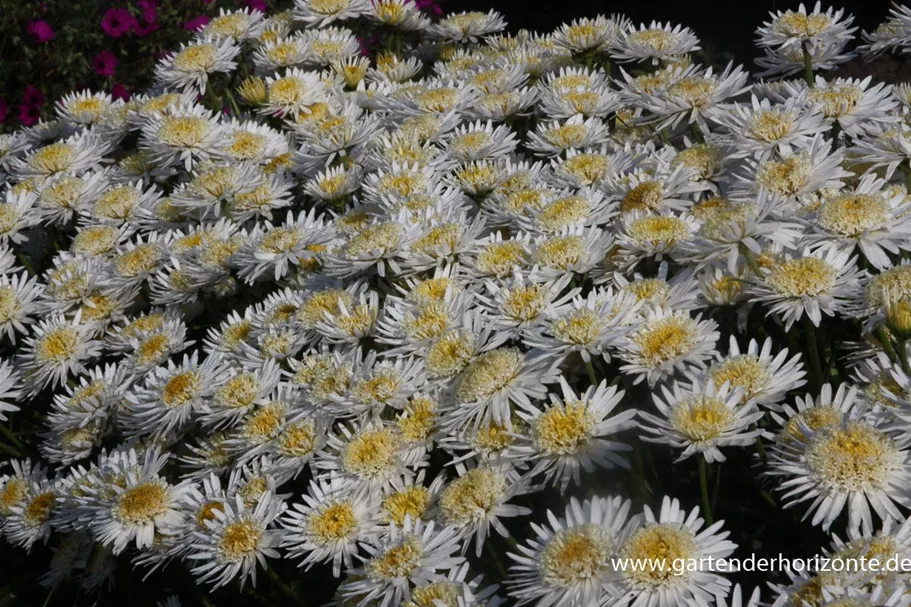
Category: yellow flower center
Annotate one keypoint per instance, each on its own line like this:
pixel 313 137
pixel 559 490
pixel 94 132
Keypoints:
pixel 576 556
pixel 333 524
pixel 852 215
pixel 412 502
pixel 702 418
pixel 397 561
pixel 656 547
pixel 199 57
pixel 806 277
pixel 240 541
pixel 471 496
pixel 560 253
pixel 370 453
pixel 488 374
pixel 207 513
pixel 58 345
pixel 181 389
pixel 564 430
pixel 855 457
pixel 664 339
pixel 184 131
pixel 743 371
pixel 142 504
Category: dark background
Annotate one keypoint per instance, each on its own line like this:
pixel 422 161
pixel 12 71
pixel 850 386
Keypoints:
pixel 724 27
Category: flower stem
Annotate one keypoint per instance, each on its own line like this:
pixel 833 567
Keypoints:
pixel 886 343
pixel 813 353
pixel 903 356
pixel 807 65
pixel 704 485
pixel 591 372
pixel 286 590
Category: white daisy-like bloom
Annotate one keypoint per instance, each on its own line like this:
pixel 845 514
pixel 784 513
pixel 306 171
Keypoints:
pixel 18 293
pixel 276 250
pixel 591 35
pixel 293 91
pixel 467 26
pixel 654 42
pixel 190 68
pixel 475 502
pixel 74 155
pixel 573 433
pixel 320 13
pixel 574 133
pixel 691 93
pixel 232 394
pixel 796 177
pixel 238 25
pixel 516 305
pixel 410 555
pixel 368 457
pixel 889 149
pixel 185 135
pixel 852 104
pixel 479 141
pixel 792 28
pixel 659 542
pixel 236 540
pixel 643 235
pixel 574 250
pixel 892 34
pixel 737 598
pixel 701 418
pixel 729 230
pixel 593 326
pixel 870 217
pixel 807 283
pixel 56 349
pixel 10 388
pixel 399 15
pixel 274 55
pixel 762 378
pixel 495 379
pixel 378 247
pixel 84 108
pixel 854 461
pixel 139 505
pixel 762 128
pixel 168 396
pixel 665 342
pixel 329 525
pixel 62 195
pixel 677 292
pixel 249 141
pixel 326 46
pixel 571 560
pixel 591 168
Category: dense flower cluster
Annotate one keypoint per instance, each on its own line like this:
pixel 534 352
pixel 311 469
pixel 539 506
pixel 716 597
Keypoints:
pixel 361 311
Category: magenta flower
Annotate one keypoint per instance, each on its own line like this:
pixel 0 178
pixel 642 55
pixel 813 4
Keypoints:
pixel 117 22
pixel 105 63
pixel 144 29
pixel 196 23
pixel 4 110
pixel 32 96
pixel 119 91
pixel 40 31
pixel 29 114
pixel 149 9
pixel 257 5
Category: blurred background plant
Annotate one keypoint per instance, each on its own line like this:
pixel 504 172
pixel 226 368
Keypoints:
pixel 53 47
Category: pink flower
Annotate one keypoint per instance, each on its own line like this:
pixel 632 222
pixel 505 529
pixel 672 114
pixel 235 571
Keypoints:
pixel 146 28
pixel 40 31
pixel 119 91
pixel 149 10
pixel 117 22
pixel 257 5
pixel 4 110
pixel 32 96
pixel 29 114
pixel 196 23
pixel 105 63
